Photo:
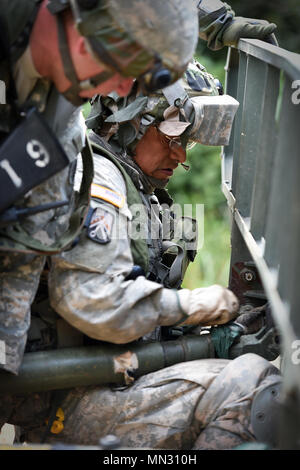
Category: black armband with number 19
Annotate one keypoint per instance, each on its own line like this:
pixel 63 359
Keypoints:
pixel 30 155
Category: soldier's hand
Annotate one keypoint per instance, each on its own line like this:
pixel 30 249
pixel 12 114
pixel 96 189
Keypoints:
pixel 240 27
pixel 206 306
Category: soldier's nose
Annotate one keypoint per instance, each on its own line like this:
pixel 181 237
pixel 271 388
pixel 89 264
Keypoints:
pixel 178 154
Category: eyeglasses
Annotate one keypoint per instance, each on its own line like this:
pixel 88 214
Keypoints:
pixel 168 140
pixel 171 142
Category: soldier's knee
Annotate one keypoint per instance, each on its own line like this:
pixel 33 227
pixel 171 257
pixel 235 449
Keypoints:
pixel 253 369
pixel 259 363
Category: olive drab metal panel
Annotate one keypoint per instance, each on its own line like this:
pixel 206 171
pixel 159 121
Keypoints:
pixel 260 179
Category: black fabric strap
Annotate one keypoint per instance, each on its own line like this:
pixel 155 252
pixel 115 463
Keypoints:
pixel 11 92
pixel 65 55
pixel 72 93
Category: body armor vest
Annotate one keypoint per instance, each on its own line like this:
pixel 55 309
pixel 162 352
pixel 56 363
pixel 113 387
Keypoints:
pixel 162 258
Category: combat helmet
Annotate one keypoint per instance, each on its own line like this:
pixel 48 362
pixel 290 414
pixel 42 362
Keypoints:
pixel 151 40
pixel 192 110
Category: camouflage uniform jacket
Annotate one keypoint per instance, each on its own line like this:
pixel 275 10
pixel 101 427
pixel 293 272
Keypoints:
pixel 63 118
pixel 90 285
pixel 20 268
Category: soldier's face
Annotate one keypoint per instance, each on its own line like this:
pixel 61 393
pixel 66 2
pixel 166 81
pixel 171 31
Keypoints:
pixel 157 156
pixel 44 47
pixel 87 66
pixel 116 83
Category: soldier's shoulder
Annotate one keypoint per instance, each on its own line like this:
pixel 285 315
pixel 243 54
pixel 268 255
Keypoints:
pixel 107 174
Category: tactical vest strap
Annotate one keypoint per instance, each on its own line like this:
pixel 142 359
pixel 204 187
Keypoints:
pixel 139 248
pixel 26 242
pixel 177 253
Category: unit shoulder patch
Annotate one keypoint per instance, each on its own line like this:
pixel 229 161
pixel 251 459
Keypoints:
pixel 100 227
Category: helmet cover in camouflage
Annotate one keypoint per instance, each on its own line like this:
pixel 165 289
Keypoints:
pixel 126 120
pixel 136 36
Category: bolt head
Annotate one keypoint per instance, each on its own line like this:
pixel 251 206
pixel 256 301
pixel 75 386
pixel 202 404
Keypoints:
pixel 248 275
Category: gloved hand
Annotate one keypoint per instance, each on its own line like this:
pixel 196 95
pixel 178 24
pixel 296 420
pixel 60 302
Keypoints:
pixel 253 320
pixel 206 306
pixel 240 27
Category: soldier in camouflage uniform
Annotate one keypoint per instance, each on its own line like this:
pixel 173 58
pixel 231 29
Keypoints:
pixel 38 71
pixel 37 83
pixel 97 288
pixel 54 55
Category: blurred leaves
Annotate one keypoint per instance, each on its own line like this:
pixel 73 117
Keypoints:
pixel 202 185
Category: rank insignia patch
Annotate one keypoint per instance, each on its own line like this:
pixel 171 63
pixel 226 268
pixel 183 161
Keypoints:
pixel 100 226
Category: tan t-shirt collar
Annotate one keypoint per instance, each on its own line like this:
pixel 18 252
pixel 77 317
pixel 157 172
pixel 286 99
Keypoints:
pixel 25 75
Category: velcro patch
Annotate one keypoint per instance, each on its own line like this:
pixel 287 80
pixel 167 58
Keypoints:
pixel 108 195
pixel 100 226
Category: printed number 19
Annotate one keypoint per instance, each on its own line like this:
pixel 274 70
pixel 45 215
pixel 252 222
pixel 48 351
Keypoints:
pixel 36 151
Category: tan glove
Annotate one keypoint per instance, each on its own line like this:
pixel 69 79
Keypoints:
pixel 206 306
pixel 240 27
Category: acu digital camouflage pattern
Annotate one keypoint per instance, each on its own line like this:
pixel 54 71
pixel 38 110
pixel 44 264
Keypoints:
pixel 19 280
pixel 204 404
pixel 196 81
pixel 152 18
pixel 200 404
pixel 19 268
pixel 147 30
pixel 125 121
pixel 87 284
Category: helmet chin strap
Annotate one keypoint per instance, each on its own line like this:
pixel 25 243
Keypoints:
pixel 72 93
pixel 186 167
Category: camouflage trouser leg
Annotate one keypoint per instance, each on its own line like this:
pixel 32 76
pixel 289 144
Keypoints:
pixel 225 409
pixel 19 279
pixel 204 403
